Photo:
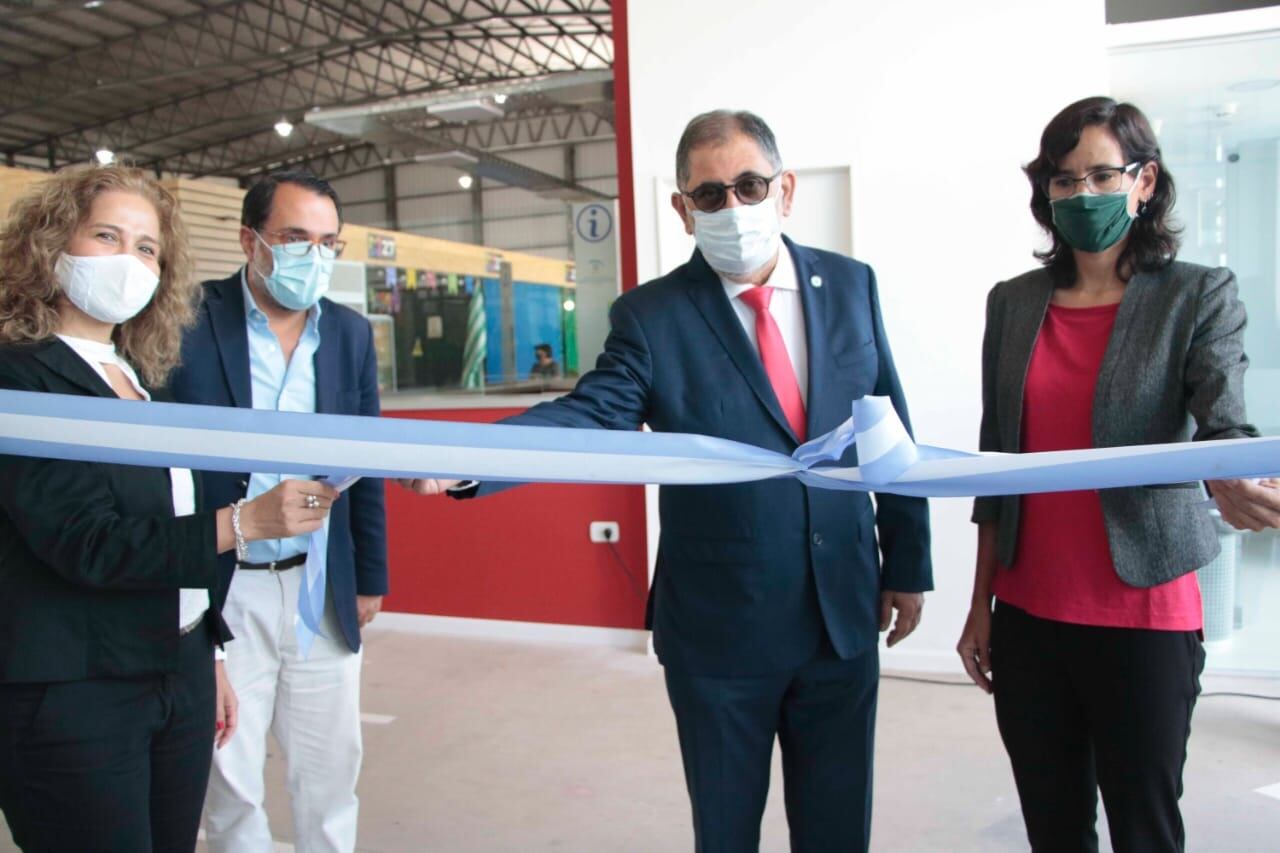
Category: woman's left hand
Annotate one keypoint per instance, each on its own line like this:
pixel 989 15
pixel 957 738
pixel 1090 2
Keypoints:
pixel 1248 504
pixel 227 713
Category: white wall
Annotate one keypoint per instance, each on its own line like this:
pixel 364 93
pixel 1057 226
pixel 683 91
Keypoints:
pixel 933 106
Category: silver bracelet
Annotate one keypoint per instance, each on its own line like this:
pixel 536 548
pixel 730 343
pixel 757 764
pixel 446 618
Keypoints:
pixel 242 547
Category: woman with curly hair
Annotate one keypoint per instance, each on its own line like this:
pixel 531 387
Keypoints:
pixel 109 695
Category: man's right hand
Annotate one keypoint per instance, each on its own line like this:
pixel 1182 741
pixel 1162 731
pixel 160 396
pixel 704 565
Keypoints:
pixel 428 486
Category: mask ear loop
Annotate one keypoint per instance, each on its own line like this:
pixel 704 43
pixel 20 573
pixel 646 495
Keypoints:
pixel 262 276
pixel 1143 204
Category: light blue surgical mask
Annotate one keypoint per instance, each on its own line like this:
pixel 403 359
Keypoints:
pixel 300 273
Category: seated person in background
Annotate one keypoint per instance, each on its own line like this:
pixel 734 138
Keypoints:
pixel 544 366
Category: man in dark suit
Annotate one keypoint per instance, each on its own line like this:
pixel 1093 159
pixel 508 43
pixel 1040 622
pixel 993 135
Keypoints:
pixel 266 339
pixel 766 596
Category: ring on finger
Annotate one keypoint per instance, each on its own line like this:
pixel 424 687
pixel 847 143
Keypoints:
pixel 312 502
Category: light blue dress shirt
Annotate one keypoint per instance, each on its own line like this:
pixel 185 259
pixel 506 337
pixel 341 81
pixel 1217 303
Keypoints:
pixel 285 388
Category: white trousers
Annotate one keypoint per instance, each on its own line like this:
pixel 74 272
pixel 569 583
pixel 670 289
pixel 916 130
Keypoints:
pixel 312 707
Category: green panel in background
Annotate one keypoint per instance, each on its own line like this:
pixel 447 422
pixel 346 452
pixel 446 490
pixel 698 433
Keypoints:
pixel 570 326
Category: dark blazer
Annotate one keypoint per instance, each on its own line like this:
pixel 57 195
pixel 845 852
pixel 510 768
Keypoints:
pixel 215 372
pixel 91 556
pixel 749 575
pixel 1173 371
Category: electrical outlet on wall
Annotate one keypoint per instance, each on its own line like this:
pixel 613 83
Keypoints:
pixel 604 531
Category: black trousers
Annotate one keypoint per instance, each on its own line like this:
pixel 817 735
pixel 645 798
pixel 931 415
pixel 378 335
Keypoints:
pixel 114 765
pixel 1082 709
pixel 823 715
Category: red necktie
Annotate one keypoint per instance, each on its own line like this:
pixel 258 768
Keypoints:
pixel 777 364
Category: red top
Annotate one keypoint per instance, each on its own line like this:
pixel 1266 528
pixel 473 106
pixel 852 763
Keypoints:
pixel 1063 569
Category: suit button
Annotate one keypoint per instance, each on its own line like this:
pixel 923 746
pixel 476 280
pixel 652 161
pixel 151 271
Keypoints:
pixel 817 539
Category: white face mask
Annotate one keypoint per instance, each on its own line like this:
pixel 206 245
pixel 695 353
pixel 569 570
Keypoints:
pixel 109 288
pixel 739 240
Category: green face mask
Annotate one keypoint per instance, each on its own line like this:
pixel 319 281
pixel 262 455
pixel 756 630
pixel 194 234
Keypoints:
pixel 1092 223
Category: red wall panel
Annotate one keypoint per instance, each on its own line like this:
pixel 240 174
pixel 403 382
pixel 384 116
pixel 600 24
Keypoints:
pixel 522 554
pixel 622 137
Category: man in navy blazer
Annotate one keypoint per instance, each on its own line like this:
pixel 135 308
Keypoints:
pixel 768 596
pixel 266 339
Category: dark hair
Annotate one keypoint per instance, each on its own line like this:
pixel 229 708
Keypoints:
pixel 543 348
pixel 258 200
pixel 715 128
pixel 1153 238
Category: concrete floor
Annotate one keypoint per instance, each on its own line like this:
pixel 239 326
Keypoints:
pixel 474 745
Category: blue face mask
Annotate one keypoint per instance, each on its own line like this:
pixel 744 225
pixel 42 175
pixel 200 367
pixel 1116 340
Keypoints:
pixel 297 281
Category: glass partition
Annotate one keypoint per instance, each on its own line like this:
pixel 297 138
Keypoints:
pixel 1215 105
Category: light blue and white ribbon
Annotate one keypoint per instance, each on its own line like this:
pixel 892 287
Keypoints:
pixel 311 590
pixel 237 440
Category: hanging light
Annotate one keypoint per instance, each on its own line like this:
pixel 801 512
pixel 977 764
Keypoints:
pixel 284 127
pixel 465 181
pixel 104 156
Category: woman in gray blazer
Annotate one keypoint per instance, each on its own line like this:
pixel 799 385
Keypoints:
pixel 1086 615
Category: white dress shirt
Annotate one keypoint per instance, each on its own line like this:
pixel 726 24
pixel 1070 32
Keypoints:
pixel 787 311
pixel 192 603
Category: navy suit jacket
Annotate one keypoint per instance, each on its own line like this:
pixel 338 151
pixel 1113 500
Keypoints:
pixel 749 575
pixel 215 372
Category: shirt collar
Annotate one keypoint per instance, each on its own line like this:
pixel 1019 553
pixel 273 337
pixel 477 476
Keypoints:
pixel 96 350
pixel 96 353
pixel 256 315
pixel 783 277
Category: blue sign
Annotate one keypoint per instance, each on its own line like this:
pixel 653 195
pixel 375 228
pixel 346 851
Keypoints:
pixel 594 223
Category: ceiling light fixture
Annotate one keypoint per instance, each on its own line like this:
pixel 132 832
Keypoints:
pixel 1260 85
pixel 104 156
pixel 465 181
pixel 466 109
pixel 93 4
pixel 284 127
pixel 500 99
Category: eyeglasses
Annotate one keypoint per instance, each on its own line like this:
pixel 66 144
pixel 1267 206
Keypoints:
pixel 1099 182
pixel 293 243
pixel 752 189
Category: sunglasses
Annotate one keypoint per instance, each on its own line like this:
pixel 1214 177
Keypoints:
pixel 751 189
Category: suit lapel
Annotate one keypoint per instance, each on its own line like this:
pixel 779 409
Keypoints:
pixel 326 360
pixel 62 360
pixel 225 304
pixel 709 297
pixel 814 301
pixel 1136 293
pixel 1021 328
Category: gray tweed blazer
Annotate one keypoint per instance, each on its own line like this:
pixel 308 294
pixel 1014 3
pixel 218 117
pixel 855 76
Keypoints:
pixel 1173 371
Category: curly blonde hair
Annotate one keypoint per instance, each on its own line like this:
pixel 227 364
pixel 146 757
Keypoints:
pixel 38 231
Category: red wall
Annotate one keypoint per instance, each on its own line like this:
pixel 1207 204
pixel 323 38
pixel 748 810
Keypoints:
pixel 622 141
pixel 522 554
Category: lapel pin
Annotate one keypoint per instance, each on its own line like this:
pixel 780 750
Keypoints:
pixel 815 280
